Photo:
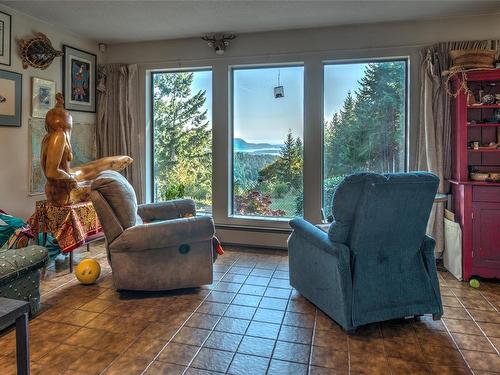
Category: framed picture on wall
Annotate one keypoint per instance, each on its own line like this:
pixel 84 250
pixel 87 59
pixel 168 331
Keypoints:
pixel 5 31
pixel 79 76
pixel 43 97
pixel 11 85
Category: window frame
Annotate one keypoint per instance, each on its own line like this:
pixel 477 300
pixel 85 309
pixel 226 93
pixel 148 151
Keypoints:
pixel 230 198
pixel 367 60
pixel 151 75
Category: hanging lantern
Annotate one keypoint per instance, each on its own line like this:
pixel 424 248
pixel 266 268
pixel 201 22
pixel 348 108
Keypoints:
pixel 279 92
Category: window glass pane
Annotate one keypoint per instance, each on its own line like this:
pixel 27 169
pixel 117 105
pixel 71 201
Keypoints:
pixel 267 141
pixel 182 137
pixel 364 121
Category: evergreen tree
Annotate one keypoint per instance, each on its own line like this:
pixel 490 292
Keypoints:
pixel 182 137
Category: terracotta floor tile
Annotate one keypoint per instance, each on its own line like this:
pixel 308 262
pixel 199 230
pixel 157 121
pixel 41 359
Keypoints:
pixel 179 354
pixel 256 346
pixel 269 316
pixel 232 325
pixel 292 352
pixel 482 361
pixel 228 287
pixel 248 364
pixel 369 363
pixel 265 330
pixel 473 342
pixel 124 331
pixel 212 359
pixel 332 339
pixel 246 300
pixel 144 347
pixel 161 331
pixel 330 358
pixel 278 367
pixel 191 336
pixel 485 316
pixel 315 370
pixel 404 351
pixel 298 319
pixel 400 366
pixel 127 365
pixel 213 308
pixel 477 304
pixel 361 344
pixel 205 321
pixel 273 303
pixel 462 326
pixel 96 305
pixel 277 293
pixel 223 341
pixel 455 313
pixel 446 370
pixel 92 362
pixel 62 357
pixel 240 312
pixel 443 356
pixel 491 329
pixel 162 368
pixel 295 334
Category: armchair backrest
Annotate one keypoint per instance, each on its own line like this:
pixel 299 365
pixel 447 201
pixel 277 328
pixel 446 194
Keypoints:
pixel 385 230
pixel 115 203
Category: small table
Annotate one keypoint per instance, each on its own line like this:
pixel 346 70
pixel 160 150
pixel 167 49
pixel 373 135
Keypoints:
pixel 15 311
pixel 73 225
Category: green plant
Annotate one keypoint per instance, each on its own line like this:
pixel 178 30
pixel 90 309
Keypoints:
pixel 174 192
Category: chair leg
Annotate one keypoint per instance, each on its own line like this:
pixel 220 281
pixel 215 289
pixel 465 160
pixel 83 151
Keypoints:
pixel 436 316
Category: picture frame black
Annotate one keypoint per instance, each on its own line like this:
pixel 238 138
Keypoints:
pixel 79 79
pixel 5 39
pixel 11 97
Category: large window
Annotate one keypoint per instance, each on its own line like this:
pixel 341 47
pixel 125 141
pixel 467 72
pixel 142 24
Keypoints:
pixel 267 141
pixel 182 136
pixel 364 120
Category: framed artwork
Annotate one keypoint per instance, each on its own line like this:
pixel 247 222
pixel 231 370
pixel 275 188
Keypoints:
pixel 43 97
pixel 11 85
pixel 5 31
pixel 79 76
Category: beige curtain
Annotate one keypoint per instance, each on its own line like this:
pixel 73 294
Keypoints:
pixel 433 152
pixel 118 132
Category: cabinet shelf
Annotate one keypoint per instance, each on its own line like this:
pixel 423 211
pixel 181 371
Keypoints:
pixel 483 106
pixel 483 124
pixel 484 150
pixel 475 183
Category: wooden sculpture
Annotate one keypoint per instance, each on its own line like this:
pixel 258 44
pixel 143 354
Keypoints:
pixel 65 184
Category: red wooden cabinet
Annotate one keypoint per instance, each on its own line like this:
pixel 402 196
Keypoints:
pixel 477 203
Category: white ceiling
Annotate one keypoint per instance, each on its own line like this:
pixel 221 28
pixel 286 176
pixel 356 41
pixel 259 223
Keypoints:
pixel 123 21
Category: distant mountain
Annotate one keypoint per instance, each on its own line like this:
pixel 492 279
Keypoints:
pixel 240 145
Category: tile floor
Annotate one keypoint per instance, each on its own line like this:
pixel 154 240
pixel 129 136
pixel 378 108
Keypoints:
pixel 249 321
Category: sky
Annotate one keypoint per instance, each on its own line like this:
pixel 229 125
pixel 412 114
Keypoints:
pixel 260 117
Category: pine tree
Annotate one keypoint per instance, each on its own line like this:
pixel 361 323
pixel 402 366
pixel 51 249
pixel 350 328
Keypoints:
pixel 182 137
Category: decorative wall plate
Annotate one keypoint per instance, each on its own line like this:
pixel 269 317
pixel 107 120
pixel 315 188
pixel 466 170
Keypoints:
pixel 37 51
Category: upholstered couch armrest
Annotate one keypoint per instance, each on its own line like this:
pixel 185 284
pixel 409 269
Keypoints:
pixel 427 248
pixel 317 237
pixel 164 234
pixel 173 209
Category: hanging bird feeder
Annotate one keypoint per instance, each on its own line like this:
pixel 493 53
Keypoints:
pixel 279 92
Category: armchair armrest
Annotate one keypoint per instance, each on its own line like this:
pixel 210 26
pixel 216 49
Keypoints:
pixel 166 210
pixel 317 237
pixel 164 234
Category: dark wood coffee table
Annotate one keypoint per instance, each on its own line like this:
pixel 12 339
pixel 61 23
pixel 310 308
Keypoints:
pixel 13 311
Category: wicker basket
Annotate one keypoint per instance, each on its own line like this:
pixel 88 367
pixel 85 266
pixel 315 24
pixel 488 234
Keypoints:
pixel 473 58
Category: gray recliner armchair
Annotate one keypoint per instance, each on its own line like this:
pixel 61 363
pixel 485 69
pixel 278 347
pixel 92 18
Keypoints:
pixel 152 246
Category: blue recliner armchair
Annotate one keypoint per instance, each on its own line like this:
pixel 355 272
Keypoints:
pixel 376 262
